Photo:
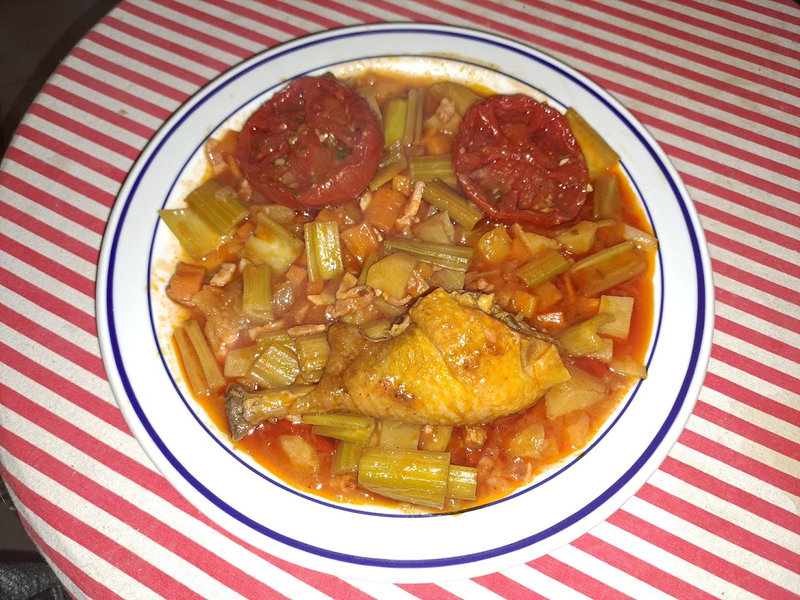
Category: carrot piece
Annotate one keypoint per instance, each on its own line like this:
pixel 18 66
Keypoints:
pixel 384 208
pixel 187 280
pixel 360 240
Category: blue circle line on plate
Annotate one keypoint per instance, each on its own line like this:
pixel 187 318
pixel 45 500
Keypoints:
pixel 699 329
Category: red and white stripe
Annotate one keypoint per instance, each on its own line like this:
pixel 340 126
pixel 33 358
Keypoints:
pixel 717 84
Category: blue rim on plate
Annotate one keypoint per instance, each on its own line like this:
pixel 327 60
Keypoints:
pixel 161 450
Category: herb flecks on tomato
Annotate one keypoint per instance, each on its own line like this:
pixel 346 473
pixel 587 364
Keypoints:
pixel 315 143
pixel 517 159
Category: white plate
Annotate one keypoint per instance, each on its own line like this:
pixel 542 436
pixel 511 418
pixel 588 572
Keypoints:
pixel 359 541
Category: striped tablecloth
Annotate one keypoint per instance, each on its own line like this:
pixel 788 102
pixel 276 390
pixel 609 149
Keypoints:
pixel 717 84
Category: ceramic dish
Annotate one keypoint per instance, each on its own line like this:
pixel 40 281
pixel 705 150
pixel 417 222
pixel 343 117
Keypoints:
pixel 362 541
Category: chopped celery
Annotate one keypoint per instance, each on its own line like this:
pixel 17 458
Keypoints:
pixel 257 291
pixel 273 245
pixel 461 95
pixel 607 199
pixel 218 205
pixel 398 435
pixel 394 163
pixel 238 360
pixel 412 132
pixel 276 365
pixel 202 369
pixel 448 256
pixel 312 351
pixel 345 457
pixel 435 438
pixel 443 197
pixel 391 274
pixel 193 233
pixel 621 309
pixel 543 268
pixel 428 167
pixel 342 426
pixel 323 250
pixel 394 120
pixel 582 339
pixel 462 482
pixel 609 267
pixel 449 280
pixel 413 476
pixel 600 157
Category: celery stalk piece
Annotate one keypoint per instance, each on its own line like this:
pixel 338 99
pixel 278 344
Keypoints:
pixel 345 457
pixel 394 120
pixel 607 198
pixel 276 366
pixel 600 157
pixel 312 351
pixel 448 256
pixel 412 131
pixel 428 167
pixel 398 435
pixel 412 476
pixel 349 427
pixel 257 291
pixel 449 280
pixel 436 438
pixel 193 233
pixel 323 250
pixel 543 268
pixel 611 266
pixel 462 483
pixel 582 339
pixel 443 197
pixel 394 164
pixel 273 245
pixel 218 205
pixel 212 373
pixel 238 360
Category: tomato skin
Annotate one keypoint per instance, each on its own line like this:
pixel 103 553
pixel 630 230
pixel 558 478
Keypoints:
pixel 518 161
pixel 314 143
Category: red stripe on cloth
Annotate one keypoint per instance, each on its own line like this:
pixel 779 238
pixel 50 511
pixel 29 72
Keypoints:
pixel 52 202
pixel 307 15
pixel 48 301
pixel 327 584
pixel 720 527
pixel 765 342
pixel 28 221
pixel 258 18
pixel 353 13
pixel 222 43
pixel 90 134
pixel 698 556
pixel 730 493
pixel 751 279
pixel 79 578
pixel 505 587
pixel 63 387
pixel 100 87
pixel 147 36
pixel 58 175
pixel 164 67
pixel 131 76
pixel 71 527
pixel 221 26
pixel 748 226
pixel 685 36
pixel 789 448
pixel 52 341
pixel 99 111
pixel 70 153
pixel 757 309
pixel 750 397
pixel 639 568
pixel 431 590
pixel 736 460
pixel 47 265
pixel 144 523
pixel 783 15
pixel 574 578
pixel 756 368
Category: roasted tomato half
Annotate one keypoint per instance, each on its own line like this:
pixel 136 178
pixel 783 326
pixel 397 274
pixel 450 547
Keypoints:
pixel 314 143
pixel 517 159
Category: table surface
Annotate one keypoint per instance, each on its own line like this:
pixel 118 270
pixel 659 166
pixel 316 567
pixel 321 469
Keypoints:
pixel 716 83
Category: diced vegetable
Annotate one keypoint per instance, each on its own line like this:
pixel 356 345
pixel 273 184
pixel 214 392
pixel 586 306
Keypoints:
pixel 273 245
pixel 448 279
pixel 342 426
pixel 384 208
pixel 187 280
pixel 582 339
pixel 543 268
pixel 257 291
pixel 607 200
pixel 394 164
pixel 398 435
pixel 535 243
pixel 494 246
pixel 579 392
pixel 394 120
pixel 435 437
pixel 461 95
pixel 462 482
pixel 527 442
pixel 239 360
pixel 579 238
pixel 300 453
pixel 600 157
pixel 621 309
pixel 642 240
pixel 345 457
pixel 323 250
pixel 428 167
pixel 218 205
pixel 391 274
pixel 202 370
pixel 609 267
pixel 312 352
pixel 413 126
pixel 193 233
pixel 443 197
pixel 445 255
pixel 413 476
pixel 276 365
pixel 360 240
pixel 626 365
pixel 437 228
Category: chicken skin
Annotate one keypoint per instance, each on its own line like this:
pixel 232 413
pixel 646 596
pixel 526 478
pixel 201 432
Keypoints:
pixel 454 364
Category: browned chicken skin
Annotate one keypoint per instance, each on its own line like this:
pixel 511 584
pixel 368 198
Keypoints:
pixel 454 364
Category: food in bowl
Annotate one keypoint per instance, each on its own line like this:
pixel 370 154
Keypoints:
pixel 408 291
